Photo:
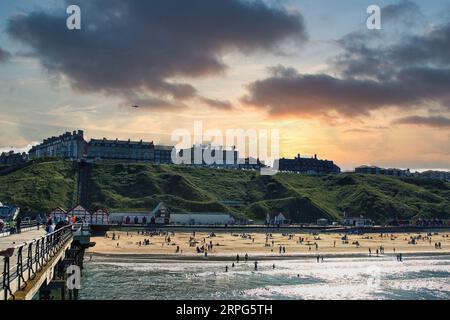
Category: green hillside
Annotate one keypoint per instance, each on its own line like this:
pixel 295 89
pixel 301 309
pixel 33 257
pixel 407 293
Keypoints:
pixel 43 185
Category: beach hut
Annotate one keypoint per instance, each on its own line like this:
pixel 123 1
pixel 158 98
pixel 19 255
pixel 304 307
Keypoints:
pixel 100 217
pixel 80 214
pixel 58 214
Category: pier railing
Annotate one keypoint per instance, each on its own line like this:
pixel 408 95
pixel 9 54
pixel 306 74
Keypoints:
pixel 24 227
pixel 28 259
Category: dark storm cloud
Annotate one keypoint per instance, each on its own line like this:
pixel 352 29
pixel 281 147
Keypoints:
pixel 437 121
pixel 371 73
pixel 144 45
pixel 294 93
pixel 4 55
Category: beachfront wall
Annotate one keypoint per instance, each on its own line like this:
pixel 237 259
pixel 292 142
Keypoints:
pixel 201 218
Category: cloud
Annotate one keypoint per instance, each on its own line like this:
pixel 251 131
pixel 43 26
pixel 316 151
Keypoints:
pixel 4 55
pixel 218 104
pixel 144 46
pixel 436 121
pixel 287 92
pixel 374 71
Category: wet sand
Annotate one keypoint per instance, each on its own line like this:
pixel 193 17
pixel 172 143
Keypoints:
pixel 261 246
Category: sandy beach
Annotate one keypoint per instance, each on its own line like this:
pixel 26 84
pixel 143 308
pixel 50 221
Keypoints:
pixel 225 246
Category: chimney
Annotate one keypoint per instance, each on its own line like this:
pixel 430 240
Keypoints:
pixel 315 156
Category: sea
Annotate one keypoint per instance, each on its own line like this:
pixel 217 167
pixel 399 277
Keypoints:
pixel 417 277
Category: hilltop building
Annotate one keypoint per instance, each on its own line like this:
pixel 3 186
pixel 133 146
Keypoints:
pixel 431 174
pixel 251 164
pixel 128 150
pixel 163 154
pixel 307 165
pixel 71 146
pixel 393 172
pixel 207 155
pixel 13 158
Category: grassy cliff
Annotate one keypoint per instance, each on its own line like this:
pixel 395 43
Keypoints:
pixel 117 186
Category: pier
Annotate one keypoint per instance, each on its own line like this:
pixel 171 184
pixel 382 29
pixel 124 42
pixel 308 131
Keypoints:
pixel 35 265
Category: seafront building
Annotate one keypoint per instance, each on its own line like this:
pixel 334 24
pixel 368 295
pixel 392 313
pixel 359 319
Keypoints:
pixel 307 165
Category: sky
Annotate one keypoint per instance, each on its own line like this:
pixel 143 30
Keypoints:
pixel 308 68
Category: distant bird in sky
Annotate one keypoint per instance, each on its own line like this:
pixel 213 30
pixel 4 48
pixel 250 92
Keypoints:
pixel 135 106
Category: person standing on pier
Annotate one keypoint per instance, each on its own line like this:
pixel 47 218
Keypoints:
pixel 18 223
pixel 7 253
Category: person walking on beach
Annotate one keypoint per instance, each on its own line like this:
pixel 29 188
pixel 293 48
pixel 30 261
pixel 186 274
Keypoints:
pixel 256 265
pixel 318 257
pixel 246 257
pixel 237 258
pixel 226 268
pixel 273 266
pixel 370 252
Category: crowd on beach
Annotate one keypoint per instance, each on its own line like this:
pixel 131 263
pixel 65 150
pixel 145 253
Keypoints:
pixel 205 244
